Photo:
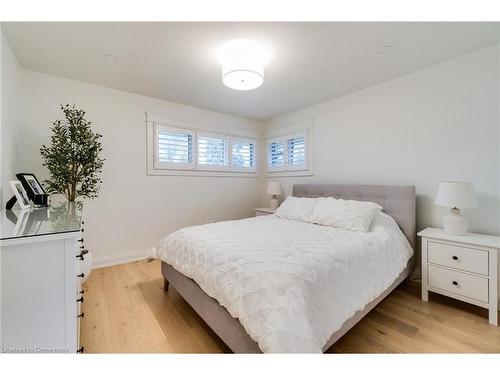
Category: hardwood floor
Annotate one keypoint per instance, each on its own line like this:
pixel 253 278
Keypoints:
pixel 126 311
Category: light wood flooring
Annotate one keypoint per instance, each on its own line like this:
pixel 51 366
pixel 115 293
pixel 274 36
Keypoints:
pixel 126 311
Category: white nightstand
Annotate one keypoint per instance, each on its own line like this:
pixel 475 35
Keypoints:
pixel 264 211
pixel 462 267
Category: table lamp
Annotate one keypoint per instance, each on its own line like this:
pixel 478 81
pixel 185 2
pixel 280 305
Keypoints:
pixel 274 189
pixel 457 195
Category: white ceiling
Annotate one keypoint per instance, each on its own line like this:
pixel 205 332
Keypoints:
pixel 311 62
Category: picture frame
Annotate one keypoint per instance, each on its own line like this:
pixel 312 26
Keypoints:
pixel 20 194
pixel 21 222
pixel 33 188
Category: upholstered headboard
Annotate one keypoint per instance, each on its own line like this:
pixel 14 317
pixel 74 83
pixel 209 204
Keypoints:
pixel 398 201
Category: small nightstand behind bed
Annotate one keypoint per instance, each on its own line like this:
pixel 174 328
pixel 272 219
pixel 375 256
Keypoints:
pixel 462 267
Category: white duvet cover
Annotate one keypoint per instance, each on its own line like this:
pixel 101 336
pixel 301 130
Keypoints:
pixel 291 284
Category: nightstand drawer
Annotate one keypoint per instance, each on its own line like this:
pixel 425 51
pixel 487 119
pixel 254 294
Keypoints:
pixel 466 285
pixel 459 257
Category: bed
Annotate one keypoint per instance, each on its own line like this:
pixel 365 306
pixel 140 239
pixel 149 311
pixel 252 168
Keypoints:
pixel 398 202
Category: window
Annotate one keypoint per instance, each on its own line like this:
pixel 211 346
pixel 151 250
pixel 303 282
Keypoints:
pixel 173 148
pixel 296 149
pixel 287 153
pixel 243 155
pixel 178 151
pixel 212 152
pixel 275 154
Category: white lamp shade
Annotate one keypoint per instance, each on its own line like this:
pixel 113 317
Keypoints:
pixel 456 194
pixel 274 188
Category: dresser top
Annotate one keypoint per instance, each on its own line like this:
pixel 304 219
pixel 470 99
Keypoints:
pixel 468 238
pixel 63 218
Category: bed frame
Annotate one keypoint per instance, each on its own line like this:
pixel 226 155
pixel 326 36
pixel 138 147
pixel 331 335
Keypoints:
pixel 397 201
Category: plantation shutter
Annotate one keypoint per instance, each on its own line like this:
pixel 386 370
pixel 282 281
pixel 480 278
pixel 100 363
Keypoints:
pixel 243 154
pixel 296 150
pixel 212 151
pixel 275 154
pixel 174 147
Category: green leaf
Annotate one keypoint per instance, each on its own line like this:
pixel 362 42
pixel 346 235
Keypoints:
pixel 73 156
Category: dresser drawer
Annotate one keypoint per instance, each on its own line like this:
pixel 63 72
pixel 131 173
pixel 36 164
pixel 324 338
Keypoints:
pixel 459 257
pixel 463 284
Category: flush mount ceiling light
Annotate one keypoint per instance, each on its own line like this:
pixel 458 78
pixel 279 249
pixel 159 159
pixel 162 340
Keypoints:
pixel 243 64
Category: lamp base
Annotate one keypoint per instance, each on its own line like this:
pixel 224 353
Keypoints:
pixel 273 203
pixel 454 223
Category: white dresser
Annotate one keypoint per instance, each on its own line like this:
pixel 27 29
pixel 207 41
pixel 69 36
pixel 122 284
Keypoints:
pixel 462 267
pixel 41 294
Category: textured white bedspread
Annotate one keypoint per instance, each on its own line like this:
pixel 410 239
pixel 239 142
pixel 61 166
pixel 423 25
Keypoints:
pixel 291 284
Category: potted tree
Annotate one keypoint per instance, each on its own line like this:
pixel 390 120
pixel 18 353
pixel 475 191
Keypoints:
pixel 73 157
pixel 74 162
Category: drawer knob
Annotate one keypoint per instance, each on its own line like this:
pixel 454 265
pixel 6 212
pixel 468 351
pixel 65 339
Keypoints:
pixel 82 291
pixel 455 257
pixel 82 253
pixel 80 240
pixel 454 283
pixel 82 275
pixel 81 350
pixel 82 315
pixel 80 300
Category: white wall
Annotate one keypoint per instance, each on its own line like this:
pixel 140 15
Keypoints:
pixel 435 124
pixel 439 123
pixel 133 211
pixel 10 129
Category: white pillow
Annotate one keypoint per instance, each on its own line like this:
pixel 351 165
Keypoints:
pixel 299 209
pixel 345 214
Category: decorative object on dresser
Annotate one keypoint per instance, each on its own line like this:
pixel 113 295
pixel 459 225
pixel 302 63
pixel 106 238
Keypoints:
pixel 462 267
pixel 264 211
pixel 457 195
pixel 20 196
pixel 34 189
pixel 73 156
pixel 274 189
pixel 41 293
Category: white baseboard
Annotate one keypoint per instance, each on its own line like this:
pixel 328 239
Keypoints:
pixel 119 258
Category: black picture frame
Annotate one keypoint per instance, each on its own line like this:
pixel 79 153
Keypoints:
pixel 35 191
